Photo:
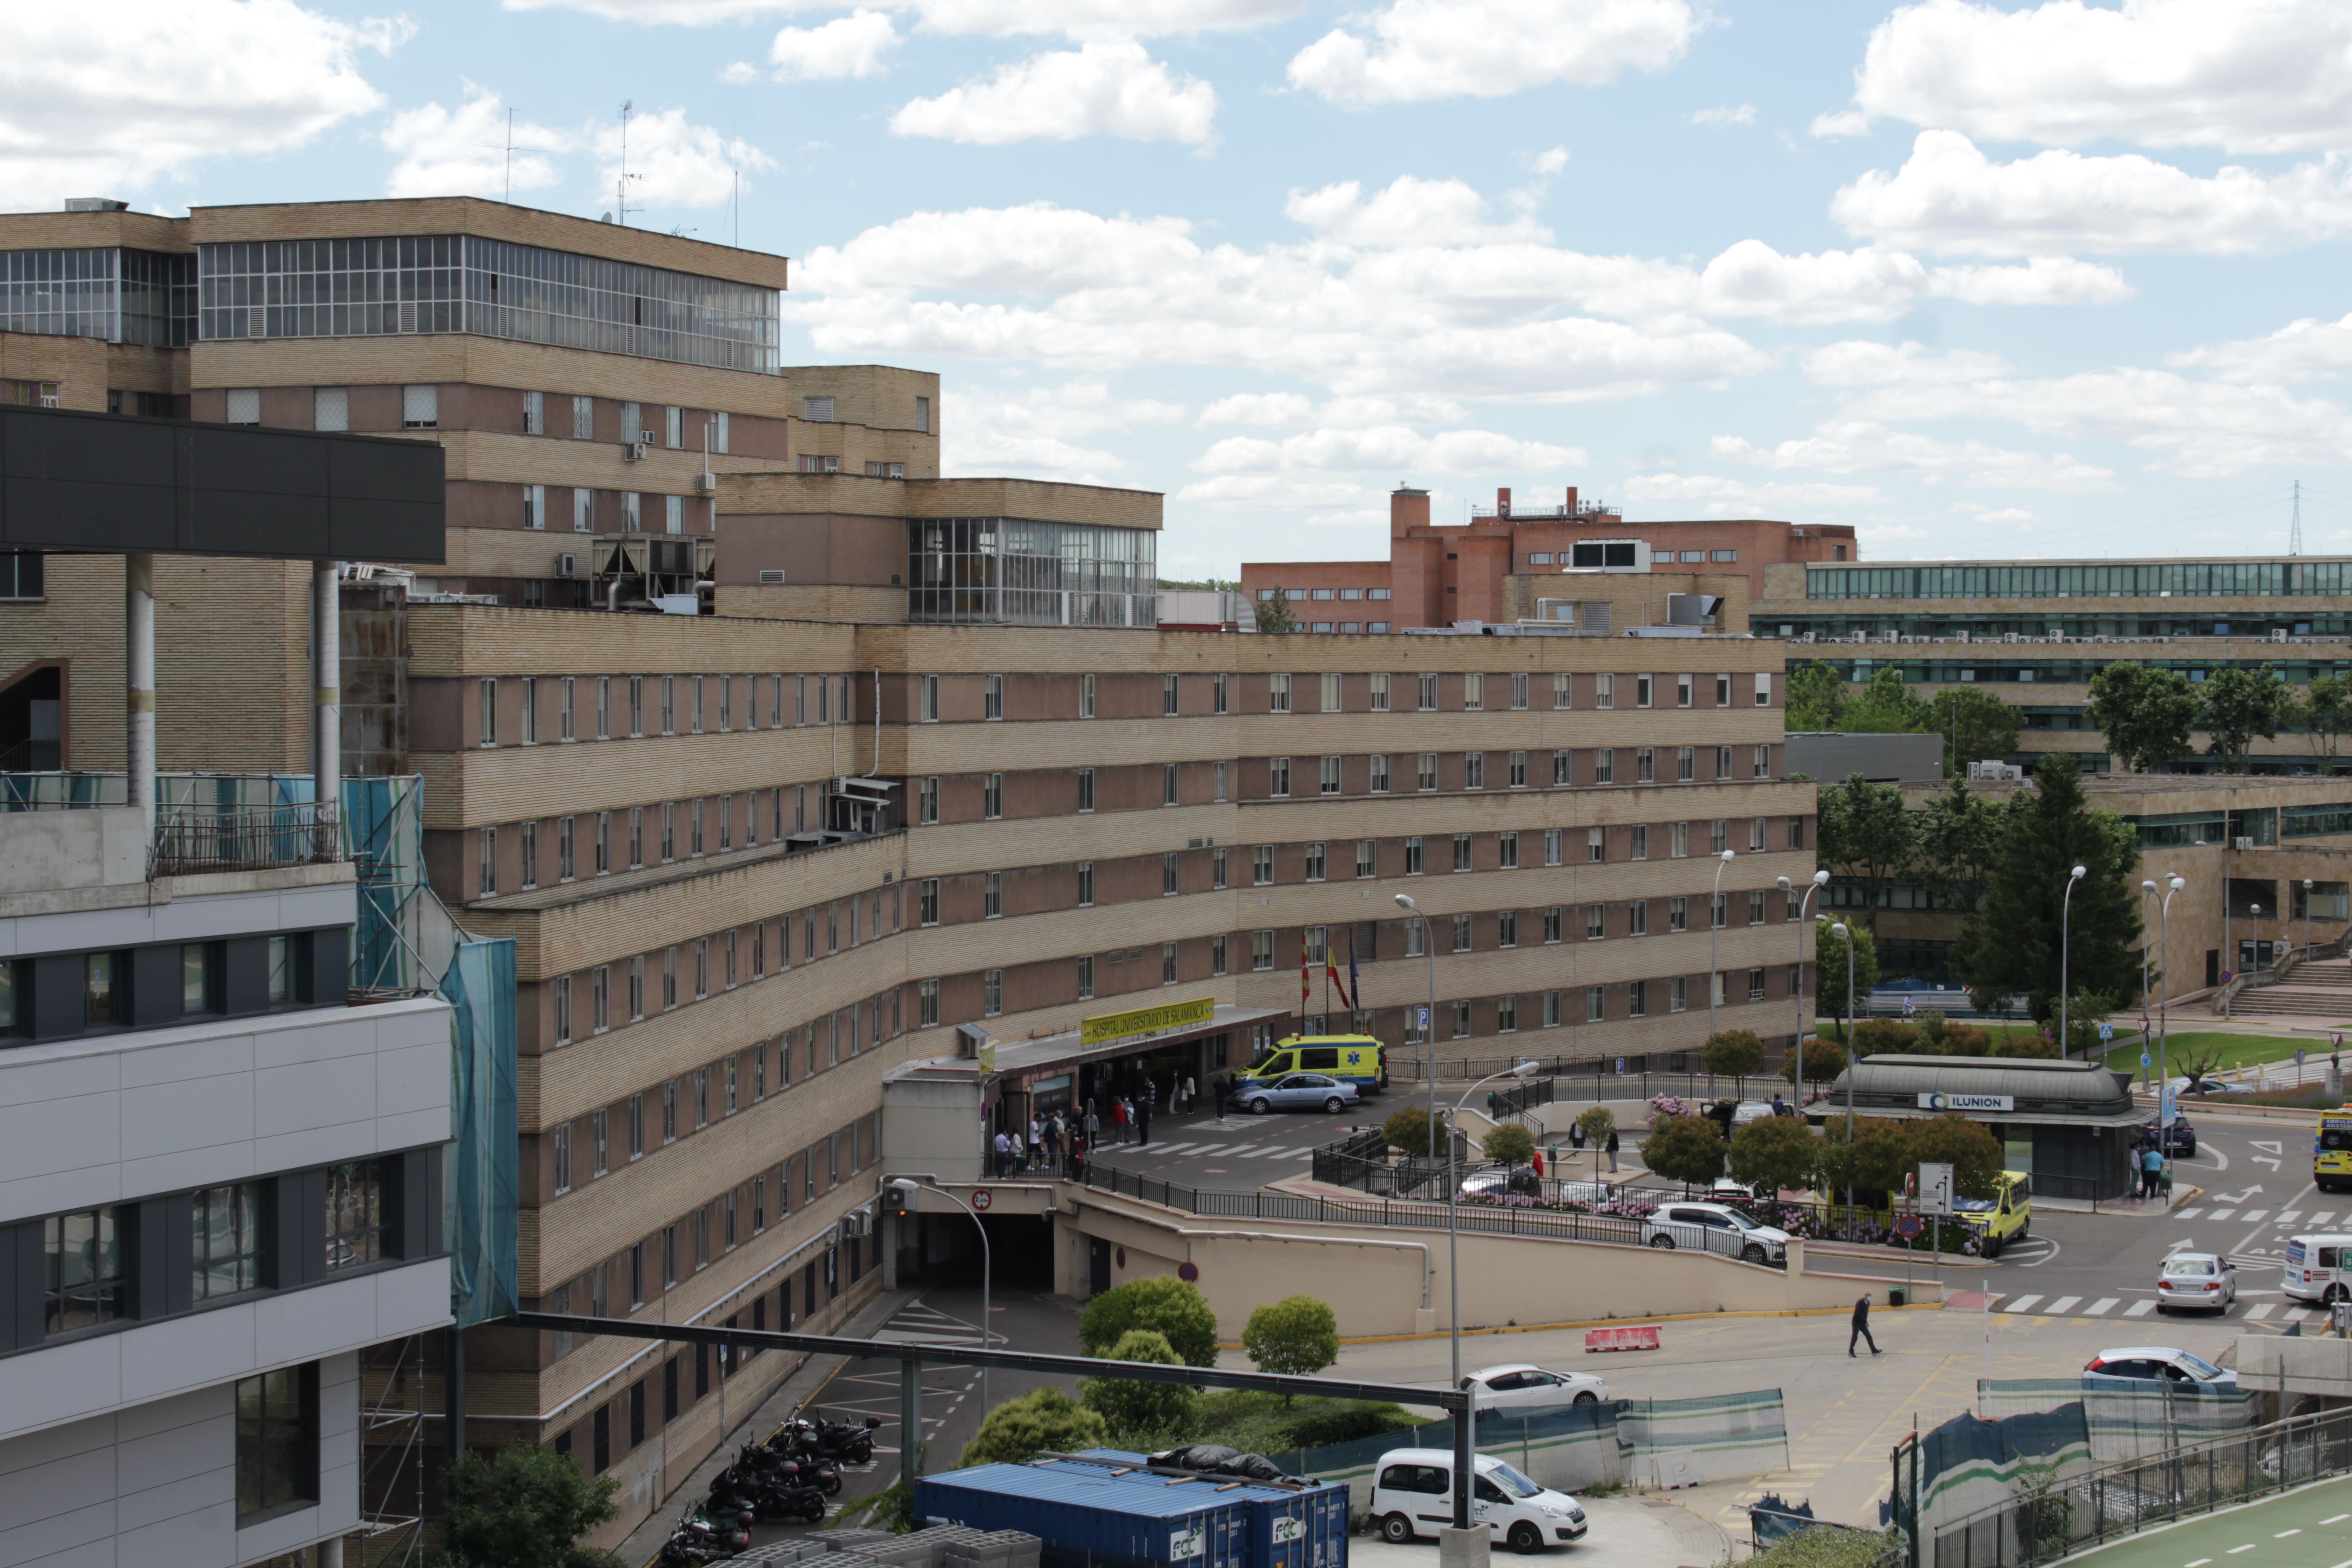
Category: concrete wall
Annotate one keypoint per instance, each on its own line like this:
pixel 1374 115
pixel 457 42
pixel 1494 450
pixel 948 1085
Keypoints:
pixel 40 850
pixel 158 1484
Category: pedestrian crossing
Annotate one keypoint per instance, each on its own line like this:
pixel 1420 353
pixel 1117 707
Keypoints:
pixel 2040 1304
pixel 2314 1221
pixel 1251 1151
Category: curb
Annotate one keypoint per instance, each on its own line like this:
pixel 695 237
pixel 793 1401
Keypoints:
pixel 1622 1322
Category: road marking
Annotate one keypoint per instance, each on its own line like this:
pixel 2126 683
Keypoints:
pixel 2021 1304
pixel 2250 1215
pixel 2200 1562
pixel 2262 1309
pixel 2249 1546
pixel 2282 1534
pixel 2337 1519
pixel 2191 1214
pixel 2324 1218
pixel 2288 1216
pixel 2101 1307
pixel 2222 1214
pixel 2140 1309
pixel 2063 1304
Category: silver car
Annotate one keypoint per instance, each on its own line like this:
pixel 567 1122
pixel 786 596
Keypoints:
pixel 1300 1092
pixel 2195 1280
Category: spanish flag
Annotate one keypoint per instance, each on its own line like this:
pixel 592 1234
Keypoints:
pixel 1306 977
pixel 1331 969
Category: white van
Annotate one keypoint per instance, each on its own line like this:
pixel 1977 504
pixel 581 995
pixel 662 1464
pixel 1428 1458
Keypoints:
pixel 1412 1496
pixel 2318 1269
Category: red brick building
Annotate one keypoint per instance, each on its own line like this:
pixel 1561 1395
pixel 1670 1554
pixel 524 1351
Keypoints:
pixel 1437 574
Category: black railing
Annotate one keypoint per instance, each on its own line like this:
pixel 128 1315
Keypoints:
pixel 1513 1102
pixel 198 839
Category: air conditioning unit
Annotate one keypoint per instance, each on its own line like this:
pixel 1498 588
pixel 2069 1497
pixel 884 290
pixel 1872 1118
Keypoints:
pixel 707 483
pixel 856 1224
pixel 567 564
pixel 2242 844
pixel 771 575
pixel 632 451
pixel 644 437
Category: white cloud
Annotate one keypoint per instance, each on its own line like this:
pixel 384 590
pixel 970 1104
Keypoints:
pixel 1854 446
pixel 1859 363
pixel 2017 517
pixel 2301 350
pixel 1721 497
pixel 673 162
pixel 995 18
pixel 1407 211
pixel 2043 281
pixel 1751 278
pixel 2255 75
pixel 1273 410
pixel 1552 161
pixel 1028 432
pixel 1726 114
pixel 1391 449
pixel 1426 49
pixel 845 49
pixel 95 104
pixel 1110 88
pixel 1949 196
pixel 462 152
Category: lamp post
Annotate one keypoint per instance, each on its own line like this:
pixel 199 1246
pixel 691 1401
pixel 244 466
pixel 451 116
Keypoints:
pixel 2256 912
pixel 1714 913
pixel 2307 920
pixel 2065 918
pixel 1428 1018
pixel 1452 1214
pixel 909 1188
pixel 1852 1061
pixel 1787 889
pixel 2164 1028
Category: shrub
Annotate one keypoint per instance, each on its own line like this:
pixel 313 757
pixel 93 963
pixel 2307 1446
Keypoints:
pixel 1686 1148
pixel 1883 1037
pixel 1043 1420
pixel 1408 1131
pixel 526 1508
pixel 1824 1060
pixel 1134 1408
pixel 1298 1335
pixel 1734 1053
pixel 1509 1143
pixel 1160 1302
pixel 1598 1123
pixel 1775 1153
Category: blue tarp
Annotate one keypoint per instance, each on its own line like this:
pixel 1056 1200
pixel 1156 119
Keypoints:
pixel 481 1176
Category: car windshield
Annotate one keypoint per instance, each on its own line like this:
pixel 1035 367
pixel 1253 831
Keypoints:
pixel 1511 1481
pixel 2206 1370
pixel 1740 1220
pixel 1975 1205
pixel 2203 1266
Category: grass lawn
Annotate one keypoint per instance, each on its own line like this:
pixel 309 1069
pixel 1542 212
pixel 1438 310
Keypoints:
pixel 2230 1050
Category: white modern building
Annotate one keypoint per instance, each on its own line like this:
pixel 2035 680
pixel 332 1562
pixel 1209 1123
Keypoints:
pixel 219 1182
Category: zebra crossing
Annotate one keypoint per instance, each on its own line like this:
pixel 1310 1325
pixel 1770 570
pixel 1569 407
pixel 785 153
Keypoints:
pixel 2041 1305
pixel 2318 1220
pixel 1244 1150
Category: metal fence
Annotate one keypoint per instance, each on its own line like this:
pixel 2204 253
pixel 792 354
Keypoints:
pixel 2120 1499
pixel 1515 1102
pixel 244 839
pixel 1586 1079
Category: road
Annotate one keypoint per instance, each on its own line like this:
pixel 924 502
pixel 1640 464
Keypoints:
pixel 2307 1527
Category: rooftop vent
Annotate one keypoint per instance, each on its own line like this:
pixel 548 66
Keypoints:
pixel 95 204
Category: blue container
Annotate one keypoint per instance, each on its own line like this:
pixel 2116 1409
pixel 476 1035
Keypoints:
pixel 1089 1518
pixel 1304 1526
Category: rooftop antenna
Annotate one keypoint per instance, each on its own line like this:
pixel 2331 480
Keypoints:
pixel 621 194
pixel 735 200
pixel 2294 527
pixel 510 196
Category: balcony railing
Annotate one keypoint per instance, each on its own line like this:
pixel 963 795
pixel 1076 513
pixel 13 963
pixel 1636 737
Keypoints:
pixel 197 838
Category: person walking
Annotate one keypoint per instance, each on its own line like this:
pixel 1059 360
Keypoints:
pixel 1093 1126
pixel 1224 1087
pixel 1861 1327
pixel 1576 1137
pixel 1612 1150
pixel 1143 1117
pixel 1053 1140
pixel 1003 1155
pixel 1036 1143
pixel 1117 1120
pixel 1189 1099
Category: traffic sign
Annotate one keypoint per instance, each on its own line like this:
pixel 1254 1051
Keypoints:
pixel 1907 1227
pixel 2144 1059
pixel 2106 1033
pixel 2298 1055
pixel 1935 1187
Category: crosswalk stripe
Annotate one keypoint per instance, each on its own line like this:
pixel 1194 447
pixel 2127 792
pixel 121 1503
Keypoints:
pixel 2323 1218
pixel 2140 1309
pixel 2023 1303
pixel 2250 1215
pixel 2188 1214
pixel 2065 1304
pixel 2259 1310
pixel 2222 1214
pixel 1175 1148
pixel 2101 1307
pixel 2288 1216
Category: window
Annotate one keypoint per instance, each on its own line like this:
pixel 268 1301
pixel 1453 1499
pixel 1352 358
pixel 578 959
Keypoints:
pixel 1507 849
pixel 1261 950
pixel 1379 772
pixel 1218 693
pixel 922 415
pixel 562 986
pixel 927 802
pixel 992 795
pixel 1413 857
pixel 1604 691
pixel 992 992
pixel 1171 872
pixel 1678 994
pixel 1262 866
pixel 1506 929
pixel 1379 693
pixel 1641 690
pixel 1461 933
pixel 1427 771
pixel 330 409
pixel 1473 692
pixel 1216 955
pixel 1507 1014
pixel 927 901
pixel 1415 933
pixel 1637 999
pixel 1763 689
pixel 197 988
pixel 534 506
pixel 1519 770
pixel 1796 833
pixel 420 407
pixel 1330 776
pixel 1085 883
pixel 1518 692
pixel 1366 857
pixel 1596 844
pixel 1428 693
pixel 1086 976
pixel 1645 764
pixel 85 1282
pixel 1277 694
pixel 1686 764
pixel 1596 922
pixel 1316 860
pixel 1604 766
pixel 1462 852
pixel 355 1210
pixel 1170 791
pixel 992 895
pixel 1551 924
pixel 1216 869
pixel 1764 762
pixel 1637 918
pixel 1678 913
pixel 226 1238
pixel 1683 689
pixel 277 1442
pixel 670 978
pixel 1277 777
pixel 489 866
pixel 1473 769
pixel 1596 1004
pixel 1167 964
pixel 1723 764
pixel 1641 841
pixel 1170 695
pixel 1678 835
pixel 1555 846
pixel 1218 781
pixel 991 697
pixel 1756 907
pixel 817 410
pixel 1086 695
pixel 1461 1020
pixel 1563 691
pixel 927 1009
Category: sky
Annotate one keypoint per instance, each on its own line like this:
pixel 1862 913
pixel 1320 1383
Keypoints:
pixel 1984 280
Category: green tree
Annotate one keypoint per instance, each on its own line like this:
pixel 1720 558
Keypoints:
pixel 1867 837
pixel 1135 1409
pixel 2327 711
pixel 1817 698
pixel 2024 1045
pixel 527 1507
pixel 1969 1147
pixel 1828 973
pixel 1824 1060
pixel 1274 612
pixel 2239 704
pixel 1598 1123
pixel 2010 945
pixel 1686 1148
pixel 1957 835
pixel 1885 1038
pixel 1409 1131
pixel 1775 1154
pixel 1887 706
pixel 1298 1335
pixel 1041 1421
pixel 1873 1162
pixel 1977 726
pixel 1509 1143
pixel 2146 714
pixel 1733 1053
pixel 1160 1302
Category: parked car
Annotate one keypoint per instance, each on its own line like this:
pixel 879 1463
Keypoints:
pixel 2160 1362
pixel 1412 1498
pixel 1299 1091
pixel 1494 1181
pixel 2199 1280
pixel 1522 1386
pixel 1714 1227
pixel 1749 1111
pixel 2180 1138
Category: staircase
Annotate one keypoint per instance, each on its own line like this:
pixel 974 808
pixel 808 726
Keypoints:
pixel 2322 989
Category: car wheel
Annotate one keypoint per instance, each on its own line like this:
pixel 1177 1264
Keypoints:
pixel 1663 1242
pixel 1260 1106
pixel 1752 1253
pixel 1587 1397
pixel 1335 1105
pixel 1397 1530
pixel 1526 1539
pixel 2334 1293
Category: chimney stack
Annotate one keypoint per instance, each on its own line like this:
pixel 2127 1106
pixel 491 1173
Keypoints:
pixel 1502 500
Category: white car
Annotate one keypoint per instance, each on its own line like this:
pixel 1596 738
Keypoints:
pixel 2199 1280
pixel 1412 1498
pixel 1524 1386
pixel 1750 1110
pixel 2154 1362
pixel 1714 1227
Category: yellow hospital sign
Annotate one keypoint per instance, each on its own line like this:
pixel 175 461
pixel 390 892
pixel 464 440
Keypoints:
pixel 1112 1026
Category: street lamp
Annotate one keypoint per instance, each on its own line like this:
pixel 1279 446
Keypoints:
pixel 2163 1027
pixel 1714 913
pixel 1453 1210
pixel 909 1189
pixel 2307 920
pixel 1820 879
pixel 1852 1061
pixel 1428 1018
pixel 2065 916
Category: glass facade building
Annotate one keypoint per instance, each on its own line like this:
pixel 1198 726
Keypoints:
pixel 999 571
pixel 460 283
pixel 117 294
pixel 2086 580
